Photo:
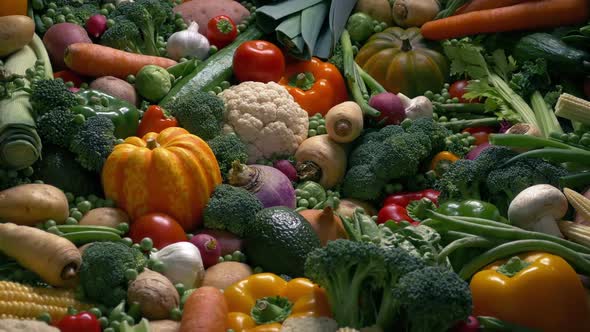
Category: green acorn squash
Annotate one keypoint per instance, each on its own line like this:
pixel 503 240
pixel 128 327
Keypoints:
pixel 402 61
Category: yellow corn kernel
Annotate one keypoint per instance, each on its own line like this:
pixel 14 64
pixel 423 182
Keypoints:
pixel 26 302
pixel 573 108
pixel 575 232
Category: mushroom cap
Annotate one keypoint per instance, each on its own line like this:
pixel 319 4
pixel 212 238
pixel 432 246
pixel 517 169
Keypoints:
pixel 536 202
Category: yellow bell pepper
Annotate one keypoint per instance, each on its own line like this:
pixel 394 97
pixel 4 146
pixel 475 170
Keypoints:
pixel 261 302
pixel 534 290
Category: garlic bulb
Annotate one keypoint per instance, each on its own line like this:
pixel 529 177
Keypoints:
pixel 188 42
pixel 182 264
pixel 419 107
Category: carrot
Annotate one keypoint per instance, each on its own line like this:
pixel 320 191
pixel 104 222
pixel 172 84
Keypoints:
pixel 477 5
pixel 522 16
pixel 97 61
pixel 205 310
pixel 55 259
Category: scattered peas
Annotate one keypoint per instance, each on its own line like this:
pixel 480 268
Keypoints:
pixel 45 317
pixel 77 214
pixel 84 206
pixel 146 244
pixel 176 314
pixel 130 274
pixel 104 322
pixel 71 221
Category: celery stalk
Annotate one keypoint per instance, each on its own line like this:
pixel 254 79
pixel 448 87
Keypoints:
pixel 545 116
pixel 514 99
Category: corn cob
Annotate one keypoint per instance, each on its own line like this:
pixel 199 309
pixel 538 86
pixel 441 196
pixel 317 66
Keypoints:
pixel 26 302
pixel 573 108
pixel 580 203
pixel 575 232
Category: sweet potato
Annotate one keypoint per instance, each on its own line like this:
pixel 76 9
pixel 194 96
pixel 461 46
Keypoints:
pixel 29 204
pixel 201 11
pixel 116 87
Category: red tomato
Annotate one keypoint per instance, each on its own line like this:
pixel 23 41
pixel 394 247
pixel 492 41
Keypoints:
pixel 221 31
pixel 393 212
pixel 161 228
pixel 481 134
pixel 83 321
pixel 259 61
pixel 458 89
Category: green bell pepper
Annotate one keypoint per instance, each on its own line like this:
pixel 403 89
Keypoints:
pixel 124 115
pixel 471 208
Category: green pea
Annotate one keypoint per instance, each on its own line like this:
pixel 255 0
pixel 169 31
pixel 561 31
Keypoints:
pixel 227 258
pixel 236 255
pixel 303 203
pixel 313 124
pixel 104 322
pixel 312 132
pixel 321 129
pixel 71 221
pixel 47 21
pixel 158 266
pixel 180 288
pixel 116 325
pixel 77 215
pixel 130 274
pixel 176 314
pixel 146 244
pixel 84 206
pixel 109 203
pixel 50 223
pixel 45 317
pixel 312 201
pixel 123 227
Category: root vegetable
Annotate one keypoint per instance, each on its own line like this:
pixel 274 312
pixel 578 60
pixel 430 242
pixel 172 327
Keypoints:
pixel 164 326
pixel 322 160
pixel 59 37
pixel 228 241
pixel 116 87
pixel 209 248
pixel 16 31
pixel 414 13
pixel 379 10
pixel 205 310
pixel 55 259
pixel 391 107
pixel 325 223
pixel 271 186
pixel 225 274
pixel 29 204
pixel 155 294
pixel 287 168
pixel 105 216
pixel 96 25
pixel 344 122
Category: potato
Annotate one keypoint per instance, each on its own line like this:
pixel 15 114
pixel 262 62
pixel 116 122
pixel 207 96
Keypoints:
pixel 16 31
pixel 379 10
pixel 116 87
pixel 155 294
pixel 59 37
pixel 164 326
pixel 18 325
pixel 105 216
pixel 29 204
pixel 224 274
pixel 201 11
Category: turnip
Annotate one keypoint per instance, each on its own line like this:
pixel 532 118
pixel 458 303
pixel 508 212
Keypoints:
pixel 391 107
pixel 287 168
pixel 208 247
pixel 59 37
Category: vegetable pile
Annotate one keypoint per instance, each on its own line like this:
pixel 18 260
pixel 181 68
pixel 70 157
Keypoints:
pixel 295 165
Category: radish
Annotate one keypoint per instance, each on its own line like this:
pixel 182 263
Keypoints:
pixel 209 248
pixel 286 168
pixel 96 25
pixel 470 325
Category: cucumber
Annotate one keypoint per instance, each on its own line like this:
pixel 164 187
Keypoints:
pixel 560 57
pixel 211 72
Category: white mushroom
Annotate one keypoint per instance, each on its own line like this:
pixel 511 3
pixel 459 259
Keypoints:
pixel 538 208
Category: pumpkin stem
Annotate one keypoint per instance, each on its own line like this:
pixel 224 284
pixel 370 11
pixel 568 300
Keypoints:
pixel 406 45
pixel 151 143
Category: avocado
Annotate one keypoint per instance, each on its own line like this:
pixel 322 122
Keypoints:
pixel 279 241
pixel 561 58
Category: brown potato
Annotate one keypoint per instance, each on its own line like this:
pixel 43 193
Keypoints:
pixel 105 216
pixel 116 87
pixel 155 294
pixel 224 274
pixel 29 204
pixel 164 326
pixel 16 31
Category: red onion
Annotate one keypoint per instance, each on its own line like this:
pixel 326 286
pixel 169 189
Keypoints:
pixel 391 107
pixel 227 241
pixel 208 247
pixel 473 154
pixel 287 168
pixel 271 186
pixel 96 25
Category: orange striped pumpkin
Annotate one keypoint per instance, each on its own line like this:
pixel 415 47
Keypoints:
pixel 172 172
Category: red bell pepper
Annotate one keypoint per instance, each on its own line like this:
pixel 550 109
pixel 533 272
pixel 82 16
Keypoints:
pixel 404 198
pixel 481 134
pixel 83 321
pixel 69 76
pixel 155 120
pixel 394 212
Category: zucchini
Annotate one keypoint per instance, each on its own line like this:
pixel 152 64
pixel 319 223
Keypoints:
pixel 560 57
pixel 211 72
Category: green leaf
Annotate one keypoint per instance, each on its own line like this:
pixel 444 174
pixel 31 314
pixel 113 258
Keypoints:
pixel 466 59
pixel 270 16
pixel 339 12
pixel 312 20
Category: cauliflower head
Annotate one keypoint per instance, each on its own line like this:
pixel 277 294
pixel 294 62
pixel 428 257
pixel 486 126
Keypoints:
pixel 266 118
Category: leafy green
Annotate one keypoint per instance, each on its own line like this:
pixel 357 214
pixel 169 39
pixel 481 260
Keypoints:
pixel 531 77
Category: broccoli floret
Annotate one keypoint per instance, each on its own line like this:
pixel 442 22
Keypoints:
pixel 337 58
pixel 433 299
pixel 83 13
pixel 231 208
pixel 200 113
pixel 94 142
pixel 432 129
pixel 58 126
pixel 344 268
pixel 142 19
pixel 460 181
pixel 50 94
pixel 102 272
pixel 227 149
pixel 361 182
pixel 123 35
